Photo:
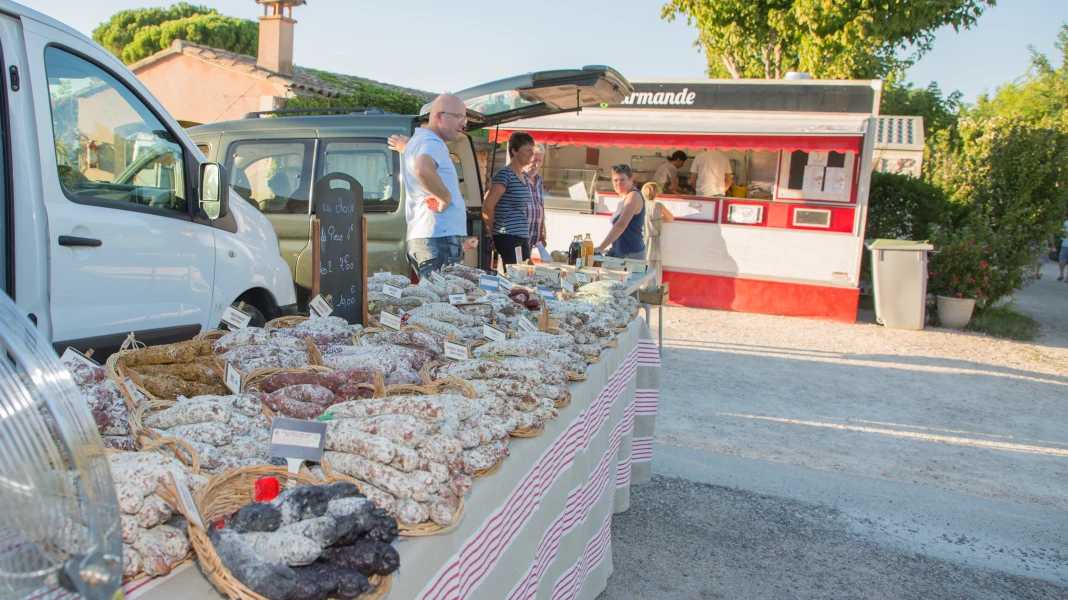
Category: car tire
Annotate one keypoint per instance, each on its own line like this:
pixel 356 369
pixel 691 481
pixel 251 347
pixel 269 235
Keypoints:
pixel 258 320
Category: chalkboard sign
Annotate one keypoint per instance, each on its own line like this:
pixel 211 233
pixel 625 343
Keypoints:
pixel 342 265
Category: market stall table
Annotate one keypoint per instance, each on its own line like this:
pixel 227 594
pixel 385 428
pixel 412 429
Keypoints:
pixel 541 526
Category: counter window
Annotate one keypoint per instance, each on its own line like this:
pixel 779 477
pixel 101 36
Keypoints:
pixel 816 175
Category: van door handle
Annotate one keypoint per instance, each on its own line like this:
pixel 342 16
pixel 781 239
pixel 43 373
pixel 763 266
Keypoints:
pixel 72 241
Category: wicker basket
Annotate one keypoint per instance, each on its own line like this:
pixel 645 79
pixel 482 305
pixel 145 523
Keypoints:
pixel 211 335
pixel 222 496
pixel 252 380
pixel 284 322
pixel 530 432
pixel 573 376
pixel 424 529
pixel 496 466
pixel 593 359
pixel 563 402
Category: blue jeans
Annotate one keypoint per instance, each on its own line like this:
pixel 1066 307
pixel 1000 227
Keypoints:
pixel 430 254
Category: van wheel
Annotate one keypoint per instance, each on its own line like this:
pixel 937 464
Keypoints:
pixel 258 320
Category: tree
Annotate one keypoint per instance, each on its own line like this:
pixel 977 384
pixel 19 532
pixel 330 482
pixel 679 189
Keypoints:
pixel 138 33
pixel 835 39
pixel 940 112
pixel 1040 96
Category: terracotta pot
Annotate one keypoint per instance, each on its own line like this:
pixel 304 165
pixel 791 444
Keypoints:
pixel 955 313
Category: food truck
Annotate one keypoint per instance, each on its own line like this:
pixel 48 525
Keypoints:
pixel 786 238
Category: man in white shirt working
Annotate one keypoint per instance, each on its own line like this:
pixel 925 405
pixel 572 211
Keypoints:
pixel 711 173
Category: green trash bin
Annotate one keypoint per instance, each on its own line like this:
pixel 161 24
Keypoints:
pixel 899 278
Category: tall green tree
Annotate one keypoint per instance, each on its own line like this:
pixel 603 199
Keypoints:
pixel 836 39
pixel 138 33
pixel 1040 96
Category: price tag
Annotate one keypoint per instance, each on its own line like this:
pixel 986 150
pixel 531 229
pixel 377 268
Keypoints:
pixel 390 320
pixel 457 298
pixel 383 273
pixel 582 277
pixel 488 283
pixel 568 286
pixel 492 333
pixel 526 324
pixel 437 277
pixel 546 292
pixel 188 507
pixel 518 254
pixel 454 351
pixel 72 357
pixel 131 389
pixel 320 307
pixel 233 378
pixel 235 318
pixel 297 439
pixel 552 274
pixel 391 290
pixel 504 284
pixel 637 266
pixel 611 262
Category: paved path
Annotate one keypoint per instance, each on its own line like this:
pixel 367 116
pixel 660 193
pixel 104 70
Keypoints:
pixel 854 461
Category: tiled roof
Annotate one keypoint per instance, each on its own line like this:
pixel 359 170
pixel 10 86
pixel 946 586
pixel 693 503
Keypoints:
pixel 902 132
pixel 302 82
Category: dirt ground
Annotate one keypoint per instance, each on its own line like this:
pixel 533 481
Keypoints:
pixel 964 437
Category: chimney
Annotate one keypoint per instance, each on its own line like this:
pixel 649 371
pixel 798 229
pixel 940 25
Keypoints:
pixel 275 52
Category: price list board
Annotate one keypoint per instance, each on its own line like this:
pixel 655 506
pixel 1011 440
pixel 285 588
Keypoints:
pixel 342 247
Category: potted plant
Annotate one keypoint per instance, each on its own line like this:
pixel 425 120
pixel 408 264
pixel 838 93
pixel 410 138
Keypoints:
pixel 962 271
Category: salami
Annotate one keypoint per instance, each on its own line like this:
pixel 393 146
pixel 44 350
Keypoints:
pixel 211 433
pixel 419 406
pixel 130 529
pixel 153 554
pixel 188 413
pixel 344 436
pixel 387 478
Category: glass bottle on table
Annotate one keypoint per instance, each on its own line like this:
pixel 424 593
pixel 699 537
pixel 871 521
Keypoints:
pixel 587 244
pixel 574 252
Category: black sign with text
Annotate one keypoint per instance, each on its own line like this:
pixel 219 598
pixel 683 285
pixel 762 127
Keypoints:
pixel 339 208
pixel 819 97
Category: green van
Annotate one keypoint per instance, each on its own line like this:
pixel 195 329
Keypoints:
pixel 274 162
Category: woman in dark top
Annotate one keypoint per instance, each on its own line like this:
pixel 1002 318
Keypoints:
pixel 506 208
pixel 627 234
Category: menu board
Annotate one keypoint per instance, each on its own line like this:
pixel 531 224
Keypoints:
pixel 339 208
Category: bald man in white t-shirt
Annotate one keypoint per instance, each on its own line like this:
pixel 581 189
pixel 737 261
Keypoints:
pixel 711 173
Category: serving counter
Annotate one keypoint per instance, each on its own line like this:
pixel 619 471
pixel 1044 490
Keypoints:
pixel 541 527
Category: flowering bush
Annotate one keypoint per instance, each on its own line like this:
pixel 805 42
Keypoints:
pixel 975 262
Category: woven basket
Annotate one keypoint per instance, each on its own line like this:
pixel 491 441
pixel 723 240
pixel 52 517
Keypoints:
pixel 593 359
pixel 563 402
pixel 496 466
pixel 222 496
pixel 315 359
pixel 284 322
pixel 618 329
pixel 530 432
pixel 252 380
pixel 424 529
pixel 211 335
pixel 571 375
pixel 611 343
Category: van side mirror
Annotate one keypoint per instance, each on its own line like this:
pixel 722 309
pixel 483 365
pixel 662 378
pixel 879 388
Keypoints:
pixel 214 200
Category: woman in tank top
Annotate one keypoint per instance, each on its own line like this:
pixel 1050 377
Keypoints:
pixel 626 237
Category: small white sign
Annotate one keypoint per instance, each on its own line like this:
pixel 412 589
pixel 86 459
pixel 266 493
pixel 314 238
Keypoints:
pixel 131 388
pixel 504 284
pixel 568 286
pixel 304 439
pixel 391 290
pixel 526 324
pixel 390 320
pixel 546 292
pixel 320 307
pixel 185 499
pixel 235 318
pixel 383 273
pixel 579 262
pixel 488 282
pixel 518 254
pixel 72 356
pixel 492 333
pixel 437 277
pixel 454 351
pixel 578 192
pixel 611 262
pixel 233 378
pixel 457 298
pixel 582 277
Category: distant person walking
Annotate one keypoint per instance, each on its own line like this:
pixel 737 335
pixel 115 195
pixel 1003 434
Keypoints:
pixel 1063 262
pixel 628 223
pixel 434 208
pixel 506 208
pixel 537 197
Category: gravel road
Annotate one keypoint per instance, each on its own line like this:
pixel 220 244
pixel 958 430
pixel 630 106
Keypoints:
pixel 854 461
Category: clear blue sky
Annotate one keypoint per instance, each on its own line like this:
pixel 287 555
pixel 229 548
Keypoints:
pixel 441 46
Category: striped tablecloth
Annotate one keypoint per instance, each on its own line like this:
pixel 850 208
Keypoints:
pixel 542 526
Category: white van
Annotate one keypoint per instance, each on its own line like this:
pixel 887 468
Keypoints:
pixel 111 221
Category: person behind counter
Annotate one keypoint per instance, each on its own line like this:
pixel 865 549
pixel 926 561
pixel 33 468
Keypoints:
pixel 667 176
pixel 506 208
pixel 711 173
pixel 658 214
pixel 537 196
pixel 628 223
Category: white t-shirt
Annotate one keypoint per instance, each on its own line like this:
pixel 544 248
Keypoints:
pixel 711 168
pixel 423 222
pixel 664 174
